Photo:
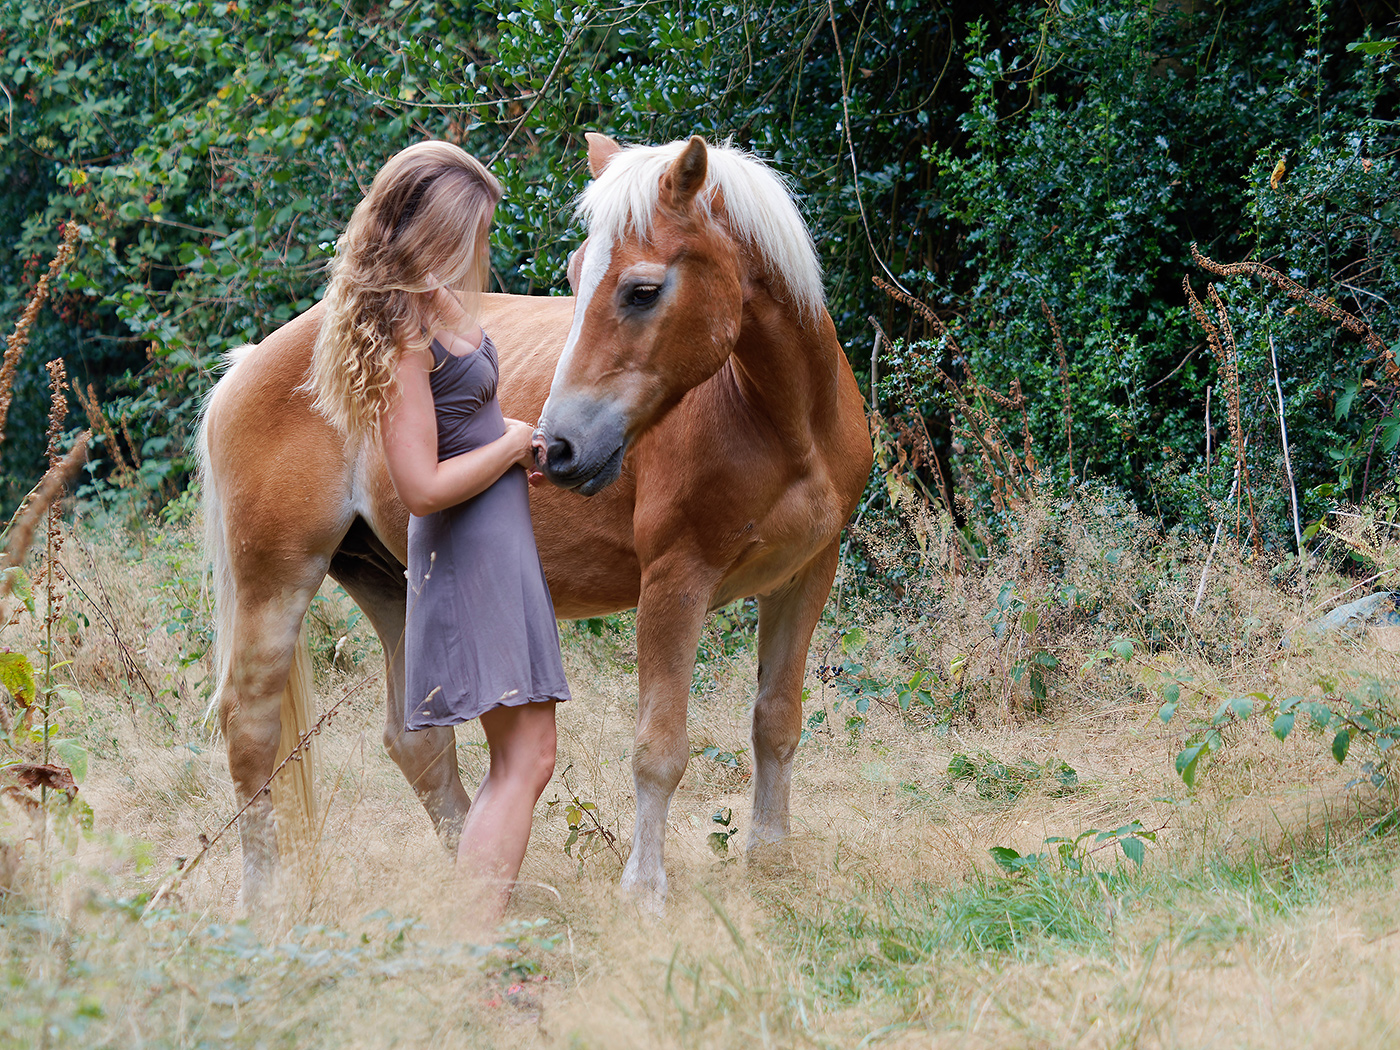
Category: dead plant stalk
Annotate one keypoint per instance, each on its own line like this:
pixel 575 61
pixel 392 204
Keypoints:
pixel 1287 459
pixel 19 340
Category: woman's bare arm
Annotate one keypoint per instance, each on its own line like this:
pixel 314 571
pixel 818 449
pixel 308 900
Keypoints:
pixel 409 436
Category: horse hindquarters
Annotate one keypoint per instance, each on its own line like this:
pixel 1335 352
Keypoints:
pixel 277 498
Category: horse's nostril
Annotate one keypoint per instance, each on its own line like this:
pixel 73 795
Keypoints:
pixel 559 454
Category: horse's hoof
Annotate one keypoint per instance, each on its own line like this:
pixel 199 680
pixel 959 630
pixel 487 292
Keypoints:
pixel 768 856
pixel 647 891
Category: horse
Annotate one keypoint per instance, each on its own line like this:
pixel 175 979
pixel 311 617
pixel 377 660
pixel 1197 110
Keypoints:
pixel 705 439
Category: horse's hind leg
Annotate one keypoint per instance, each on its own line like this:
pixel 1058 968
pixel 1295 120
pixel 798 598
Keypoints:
pixel 428 757
pixel 786 619
pixel 266 620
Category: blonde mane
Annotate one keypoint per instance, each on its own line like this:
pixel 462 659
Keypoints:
pixel 758 208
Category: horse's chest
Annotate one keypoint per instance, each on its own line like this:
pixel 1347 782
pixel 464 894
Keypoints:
pixel 774 542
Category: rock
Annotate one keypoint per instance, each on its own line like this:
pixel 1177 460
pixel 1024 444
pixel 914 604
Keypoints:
pixel 1374 619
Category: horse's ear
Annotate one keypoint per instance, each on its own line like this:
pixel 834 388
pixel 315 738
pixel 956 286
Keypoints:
pixel 686 175
pixel 600 151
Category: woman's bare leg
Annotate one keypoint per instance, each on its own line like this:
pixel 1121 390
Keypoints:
pixel 522 744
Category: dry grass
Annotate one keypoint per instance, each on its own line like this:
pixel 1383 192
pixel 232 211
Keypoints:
pixel 1263 917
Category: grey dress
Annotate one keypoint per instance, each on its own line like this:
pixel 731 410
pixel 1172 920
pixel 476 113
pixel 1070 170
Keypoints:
pixel 481 631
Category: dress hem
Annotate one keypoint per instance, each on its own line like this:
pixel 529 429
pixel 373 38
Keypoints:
pixel 452 720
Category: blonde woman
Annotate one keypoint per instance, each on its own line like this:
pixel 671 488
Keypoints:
pixel 401 359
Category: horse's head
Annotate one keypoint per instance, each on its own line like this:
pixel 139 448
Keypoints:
pixel 675 236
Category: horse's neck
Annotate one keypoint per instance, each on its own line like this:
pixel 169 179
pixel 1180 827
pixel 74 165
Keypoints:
pixel 785 368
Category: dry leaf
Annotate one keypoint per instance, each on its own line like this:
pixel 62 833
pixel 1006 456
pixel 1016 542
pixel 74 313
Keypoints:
pixel 35 776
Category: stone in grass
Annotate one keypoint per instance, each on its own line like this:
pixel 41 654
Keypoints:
pixel 1374 619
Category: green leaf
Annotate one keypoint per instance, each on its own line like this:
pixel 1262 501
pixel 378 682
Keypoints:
pixel 73 755
pixel 960 767
pixel 1171 695
pixel 853 641
pixel 70 697
pixel 1133 849
pixel 1188 762
pixel 1122 648
pixel 1341 743
pixel 20 586
pixel 1349 391
pixel 1005 856
pixel 1242 706
pixel 1390 433
pixel 1373 47
pixel 17 675
pixel 1283 724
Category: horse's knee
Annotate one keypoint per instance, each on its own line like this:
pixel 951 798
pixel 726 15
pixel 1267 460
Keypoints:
pixel 253 731
pixel 396 743
pixel 426 757
pixel 659 764
pixel 777 728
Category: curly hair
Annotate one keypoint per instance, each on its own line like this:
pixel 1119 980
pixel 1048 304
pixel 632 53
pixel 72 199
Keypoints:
pixel 428 212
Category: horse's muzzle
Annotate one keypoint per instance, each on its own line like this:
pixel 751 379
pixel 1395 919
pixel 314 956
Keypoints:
pixel 580 446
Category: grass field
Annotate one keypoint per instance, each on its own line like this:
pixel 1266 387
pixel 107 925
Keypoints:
pixel 1266 912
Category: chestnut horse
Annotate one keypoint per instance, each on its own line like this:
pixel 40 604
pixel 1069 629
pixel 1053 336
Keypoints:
pixel 706 441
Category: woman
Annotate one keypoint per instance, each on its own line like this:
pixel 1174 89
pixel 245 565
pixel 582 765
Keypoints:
pixel 401 359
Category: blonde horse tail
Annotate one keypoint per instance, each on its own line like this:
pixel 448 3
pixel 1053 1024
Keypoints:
pixel 293 789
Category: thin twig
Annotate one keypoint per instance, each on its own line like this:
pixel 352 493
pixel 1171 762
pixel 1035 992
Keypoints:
pixel 607 836
pixel 544 88
pixel 875 364
pixel 1205 569
pixel 294 755
pixel 127 655
pixel 851 149
pixel 1110 842
pixel 1287 460
pixel 1064 380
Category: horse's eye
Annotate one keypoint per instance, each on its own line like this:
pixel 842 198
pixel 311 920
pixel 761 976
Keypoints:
pixel 644 294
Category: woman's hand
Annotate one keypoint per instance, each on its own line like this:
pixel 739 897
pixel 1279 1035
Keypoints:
pixel 519 436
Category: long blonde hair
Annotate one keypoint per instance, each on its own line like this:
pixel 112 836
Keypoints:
pixel 428 211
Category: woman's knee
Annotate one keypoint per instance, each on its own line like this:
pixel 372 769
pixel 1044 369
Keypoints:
pixel 525 752
pixel 545 746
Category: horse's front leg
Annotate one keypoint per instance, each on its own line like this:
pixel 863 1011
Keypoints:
pixel 674 599
pixel 786 619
